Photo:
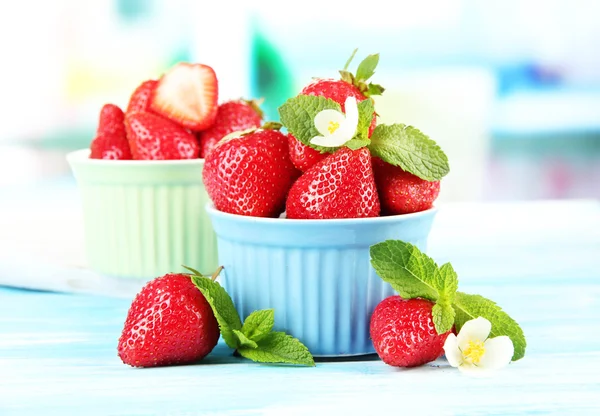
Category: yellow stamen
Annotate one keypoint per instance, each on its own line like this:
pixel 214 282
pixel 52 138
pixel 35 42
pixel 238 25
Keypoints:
pixel 474 352
pixel 333 126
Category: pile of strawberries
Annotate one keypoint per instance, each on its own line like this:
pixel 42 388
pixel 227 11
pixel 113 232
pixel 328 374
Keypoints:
pixel 256 170
pixel 176 117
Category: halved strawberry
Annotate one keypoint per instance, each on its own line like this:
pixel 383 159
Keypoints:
pixel 188 95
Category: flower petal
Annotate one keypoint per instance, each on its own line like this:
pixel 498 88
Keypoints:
pixel 453 354
pixel 474 330
pixel 335 140
pixel 323 118
pixel 498 353
pixel 351 109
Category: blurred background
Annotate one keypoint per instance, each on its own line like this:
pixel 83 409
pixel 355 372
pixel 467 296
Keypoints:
pixel 510 90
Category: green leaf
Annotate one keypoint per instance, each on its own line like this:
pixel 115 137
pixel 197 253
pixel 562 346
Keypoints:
pixel 443 317
pixel 374 89
pixel 366 108
pixel 347 77
pixel 446 282
pixel 258 324
pixel 366 68
pixel 473 306
pixel 409 271
pixel 413 151
pixel 350 59
pixel 194 271
pixel 222 307
pixel 298 115
pixel 278 347
pixel 357 143
pixel 244 342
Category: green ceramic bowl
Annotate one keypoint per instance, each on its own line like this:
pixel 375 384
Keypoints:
pixel 144 218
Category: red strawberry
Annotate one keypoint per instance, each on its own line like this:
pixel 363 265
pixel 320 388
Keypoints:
pixel 401 192
pixel 154 138
pixel 231 116
pixel 187 94
pixel 141 98
pixel 111 120
pixel 403 332
pixel 106 146
pixel 169 322
pixel 250 175
pixel 339 186
pixel 303 156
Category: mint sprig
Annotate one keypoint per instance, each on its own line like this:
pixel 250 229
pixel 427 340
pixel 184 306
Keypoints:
pixel 297 114
pixel 254 339
pixel 410 149
pixel 413 274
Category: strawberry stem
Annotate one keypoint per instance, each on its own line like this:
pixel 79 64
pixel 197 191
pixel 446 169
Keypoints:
pixel 350 59
pixel 216 273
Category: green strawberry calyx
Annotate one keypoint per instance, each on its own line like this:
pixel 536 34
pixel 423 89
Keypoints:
pixel 365 70
pixel 255 105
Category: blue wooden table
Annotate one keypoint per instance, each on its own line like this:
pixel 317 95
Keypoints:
pixel 539 261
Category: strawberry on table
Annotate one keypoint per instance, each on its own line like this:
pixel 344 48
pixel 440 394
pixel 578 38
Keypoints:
pixel 152 137
pixel 110 141
pixel 236 115
pixel 401 192
pixel 403 332
pixel 340 186
pixel 169 322
pixel 142 97
pixel 188 95
pixel 250 173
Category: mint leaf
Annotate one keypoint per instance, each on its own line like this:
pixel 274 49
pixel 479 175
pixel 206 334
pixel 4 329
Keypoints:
pixel 222 307
pixel 357 143
pixel 410 272
pixel 298 115
pixel 446 282
pixel 366 68
pixel 366 108
pixel 408 148
pixel 244 342
pixel 443 317
pixel 278 347
pixel 473 306
pixel 258 324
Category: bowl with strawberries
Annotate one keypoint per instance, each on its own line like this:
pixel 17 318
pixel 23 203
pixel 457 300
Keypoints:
pixel 295 212
pixel 141 180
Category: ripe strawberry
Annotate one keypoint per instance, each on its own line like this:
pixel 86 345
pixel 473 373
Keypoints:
pixel 187 94
pixel 106 146
pixel 231 116
pixel 401 192
pixel 111 121
pixel 169 322
pixel 154 138
pixel 141 98
pixel 339 186
pixel 303 156
pixel 403 332
pixel 250 175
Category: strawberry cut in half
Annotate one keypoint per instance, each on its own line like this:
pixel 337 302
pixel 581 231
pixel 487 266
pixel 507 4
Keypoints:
pixel 187 95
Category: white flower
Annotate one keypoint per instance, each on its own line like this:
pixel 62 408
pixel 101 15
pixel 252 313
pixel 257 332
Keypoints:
pixel 336 128
pixel 473 352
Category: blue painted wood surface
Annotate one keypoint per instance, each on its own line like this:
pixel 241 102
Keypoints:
pixel 540 262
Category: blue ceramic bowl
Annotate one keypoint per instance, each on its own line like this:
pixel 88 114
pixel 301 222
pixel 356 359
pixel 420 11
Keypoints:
pixel 316 274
